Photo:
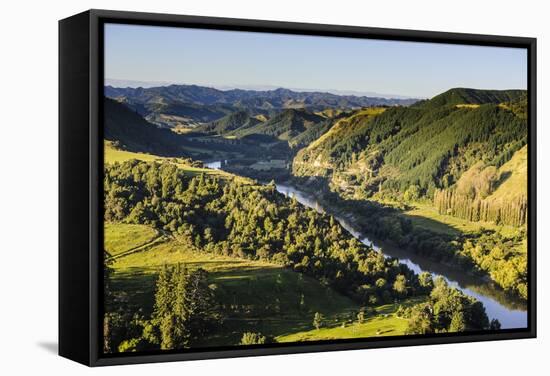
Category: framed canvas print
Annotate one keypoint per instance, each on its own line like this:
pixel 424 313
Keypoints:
pixel 239 187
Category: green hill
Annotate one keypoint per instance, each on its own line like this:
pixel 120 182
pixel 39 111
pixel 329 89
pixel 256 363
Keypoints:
pixel 427 147
pixel 235 120
pixel 129 131
pixel 331 150
pixel 458 96
pixel 286 125
pixel 489 194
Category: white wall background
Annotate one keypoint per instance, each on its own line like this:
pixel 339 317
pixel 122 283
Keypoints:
pixel 28 189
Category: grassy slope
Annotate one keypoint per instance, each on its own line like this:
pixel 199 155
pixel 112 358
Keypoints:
pixel 113 155
pixel 338 128
pixel 380 324
pixel 256 296
pixel 120 237
pixel 515 183
pixel 426 216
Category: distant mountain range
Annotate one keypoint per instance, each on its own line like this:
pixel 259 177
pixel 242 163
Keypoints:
pixel 148 84
pixel 194 105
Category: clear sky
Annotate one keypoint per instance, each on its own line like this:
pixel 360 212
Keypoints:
pixel 243 59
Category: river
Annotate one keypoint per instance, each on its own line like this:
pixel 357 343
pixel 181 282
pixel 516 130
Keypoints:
pixel 498 305
pixel 509 312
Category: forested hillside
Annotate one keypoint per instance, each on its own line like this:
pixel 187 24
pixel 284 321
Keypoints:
pixel 461 96
pixel 284 126
pixel 418 149
pixel 242 220
pixel 231 122
pixel 247 222
pixel 128 130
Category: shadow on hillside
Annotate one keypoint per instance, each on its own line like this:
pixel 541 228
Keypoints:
pixel 367 213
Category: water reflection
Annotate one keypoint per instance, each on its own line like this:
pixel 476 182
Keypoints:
pixel 498 304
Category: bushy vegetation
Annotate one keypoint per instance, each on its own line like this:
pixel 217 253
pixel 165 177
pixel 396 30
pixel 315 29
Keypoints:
pixel 447 310
pixel 470 251
pixel 253 339
pixel 250 221
pixel 503 258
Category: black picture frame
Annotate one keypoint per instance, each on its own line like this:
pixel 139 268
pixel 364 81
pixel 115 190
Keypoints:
pixel 80 184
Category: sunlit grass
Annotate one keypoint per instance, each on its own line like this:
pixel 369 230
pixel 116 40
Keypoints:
pixel 120 237
pixel 113 155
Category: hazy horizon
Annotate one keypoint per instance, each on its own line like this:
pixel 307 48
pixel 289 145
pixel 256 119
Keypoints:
pixel 124 83
pixel 134 84
pixel 236 59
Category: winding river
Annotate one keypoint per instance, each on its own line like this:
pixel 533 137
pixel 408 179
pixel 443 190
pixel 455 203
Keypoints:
pixel 510 313
pixel 499 305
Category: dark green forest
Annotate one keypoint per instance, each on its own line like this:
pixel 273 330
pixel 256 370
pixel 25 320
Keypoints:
pixel 424 146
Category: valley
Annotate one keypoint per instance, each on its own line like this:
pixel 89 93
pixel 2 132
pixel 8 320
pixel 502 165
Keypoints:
pixel 312 216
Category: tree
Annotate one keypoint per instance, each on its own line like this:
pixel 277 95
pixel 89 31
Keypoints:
pixel 250 338
pixel 420 321
pixel 361 315
pixel 494 325
pixel 400 285
pixel 317 320
pixel 458 322
pixel 425 280
pixel 412 193
pixel 184 306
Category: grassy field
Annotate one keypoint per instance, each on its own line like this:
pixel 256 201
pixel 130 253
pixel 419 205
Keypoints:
pixel 113 155
pixel 426 216
pixel 120 237
pixel 514 173
pixel 254 296
pixel 381 323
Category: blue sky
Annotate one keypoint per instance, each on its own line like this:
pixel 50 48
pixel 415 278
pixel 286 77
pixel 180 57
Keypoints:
pixel 242 59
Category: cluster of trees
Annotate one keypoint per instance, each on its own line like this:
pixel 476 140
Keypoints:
pixel 502 258
pixel 251 338
pixel 471 252
pixel 184 311
pixel 508 212
pixel 447 310
pixel 185 308
pixel 251 221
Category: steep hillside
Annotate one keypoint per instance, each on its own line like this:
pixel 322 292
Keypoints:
pixel 485 193
pixel 129 131
pixel 236 120
pixel 458 96
pixel 283 126
pixel 420 148
pixel 335 147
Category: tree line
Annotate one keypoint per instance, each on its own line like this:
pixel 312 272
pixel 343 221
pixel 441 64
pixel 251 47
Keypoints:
pixel 508 212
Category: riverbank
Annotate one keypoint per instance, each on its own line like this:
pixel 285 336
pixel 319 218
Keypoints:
pixel 452 259
pixel 500 305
